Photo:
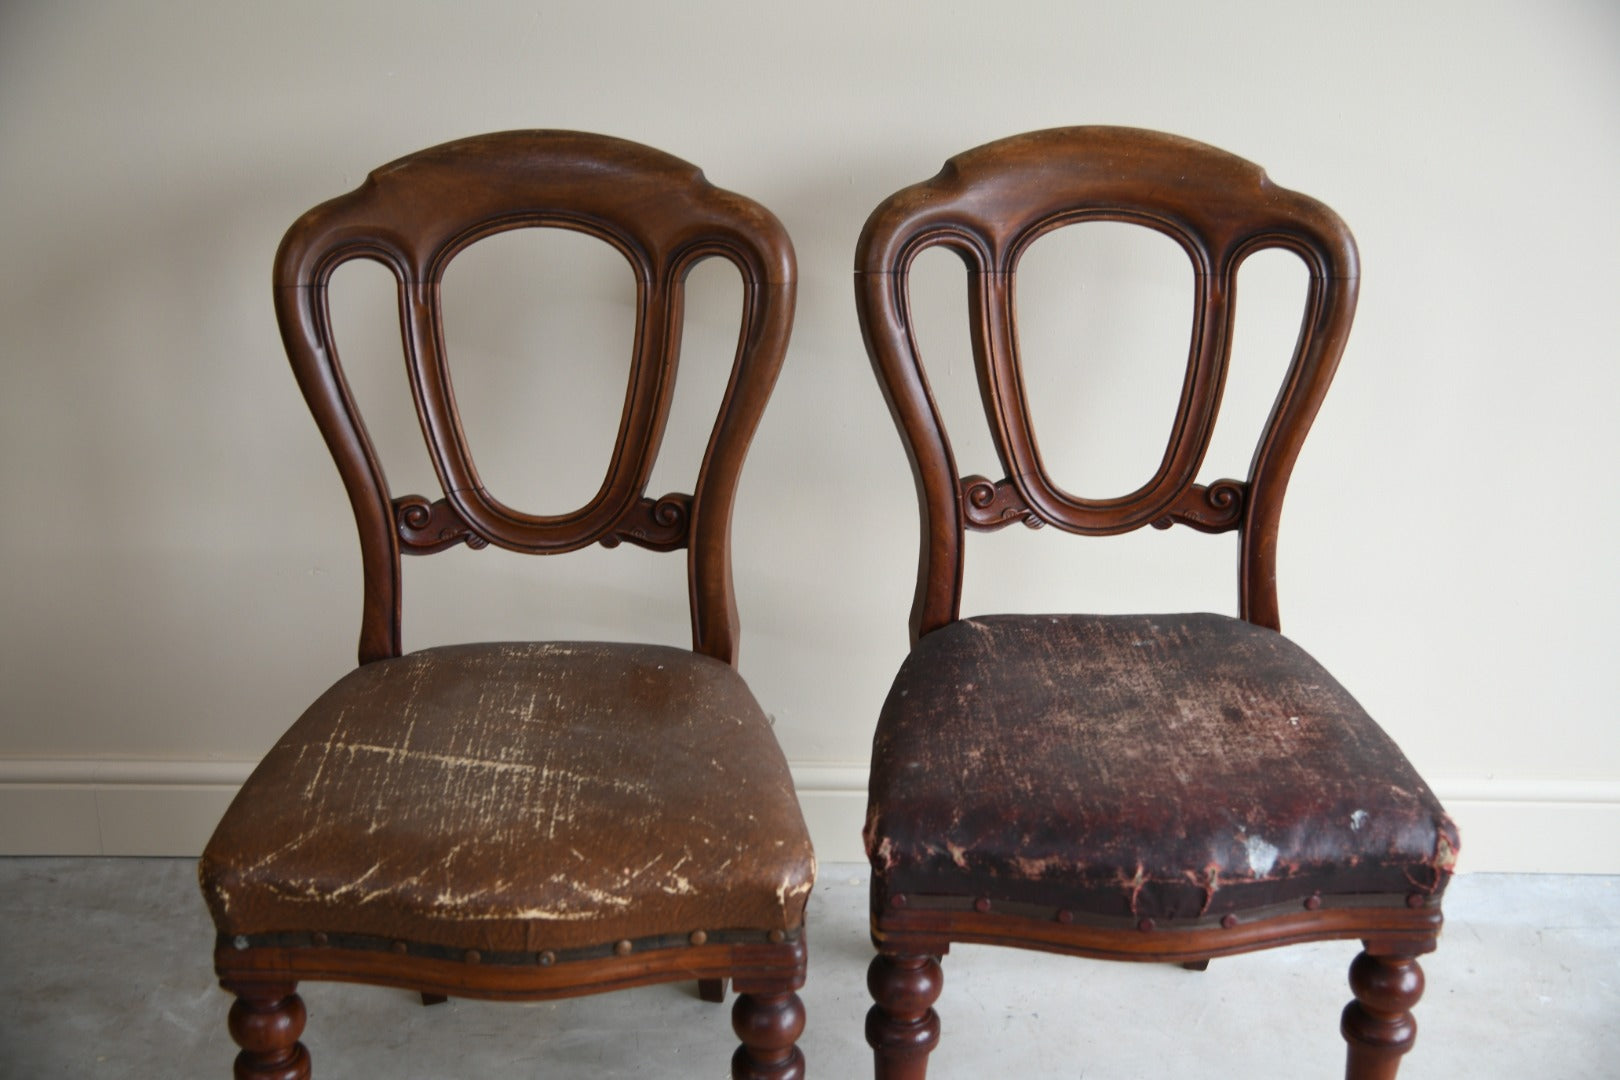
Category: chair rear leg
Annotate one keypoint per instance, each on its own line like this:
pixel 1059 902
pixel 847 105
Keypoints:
pixel 902 1027
pixel 266 1020
pixel 1378 1024
pixel 769 1026
pixel 712 990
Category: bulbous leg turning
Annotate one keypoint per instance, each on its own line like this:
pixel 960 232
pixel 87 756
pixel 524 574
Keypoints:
pixel 1378 1024
pixel 902 1027
pixel 768 1025
pixel 266 1020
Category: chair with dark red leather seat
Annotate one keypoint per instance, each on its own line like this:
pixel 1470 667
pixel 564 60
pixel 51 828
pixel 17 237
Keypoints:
pixel 1168 787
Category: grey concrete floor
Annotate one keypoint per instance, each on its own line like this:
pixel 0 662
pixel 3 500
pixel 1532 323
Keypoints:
pixel 104 972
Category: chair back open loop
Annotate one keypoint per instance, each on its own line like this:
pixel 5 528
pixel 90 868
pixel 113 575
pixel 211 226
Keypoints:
pixel 414 216
pixel 988 205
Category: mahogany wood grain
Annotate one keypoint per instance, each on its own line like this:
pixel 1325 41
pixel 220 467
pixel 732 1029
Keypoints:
pixel 923 929
pixel 902 1027
pixel 265 1021
pixel 988 205
pixel 768 1026
pixel 763 965
pixel 1378 1024
pixel 414 216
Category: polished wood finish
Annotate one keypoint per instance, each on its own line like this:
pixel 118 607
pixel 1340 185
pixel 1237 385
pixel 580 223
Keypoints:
pixel 988 206
pixel 414 216
pixel 902 1027
pixel 768 964
pixel 481 884
pixel 1126 882
pixel 1378 1024
pixel 768 1025
pixel 921 929
pixel 265 1021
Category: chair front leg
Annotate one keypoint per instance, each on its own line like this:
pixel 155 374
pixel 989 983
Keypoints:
pixel 266 1020
pixel 769 1025
pixel 902 1027
pixel 1378 1024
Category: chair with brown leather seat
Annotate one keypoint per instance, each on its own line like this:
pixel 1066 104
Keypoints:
pixel 1167 787
pixel 526 820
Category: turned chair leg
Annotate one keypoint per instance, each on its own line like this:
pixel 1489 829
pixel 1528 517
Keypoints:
pixel 902 1027
pixel 266 1020
pixel 769 1026
pixel 712 990
pixel 1378 1024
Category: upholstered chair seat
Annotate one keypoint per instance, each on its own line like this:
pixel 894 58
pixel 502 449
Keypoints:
pixel 1163 771
pixel 522 800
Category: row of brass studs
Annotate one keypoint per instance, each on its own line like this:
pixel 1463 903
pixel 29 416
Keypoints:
pixel 545 958
pixel 983 905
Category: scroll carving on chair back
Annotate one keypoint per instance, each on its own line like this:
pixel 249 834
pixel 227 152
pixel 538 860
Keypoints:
pixel 988 205
pixel 414 216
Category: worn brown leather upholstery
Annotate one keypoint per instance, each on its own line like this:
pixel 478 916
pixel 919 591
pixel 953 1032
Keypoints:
pixel 514 798
pixel 1174 767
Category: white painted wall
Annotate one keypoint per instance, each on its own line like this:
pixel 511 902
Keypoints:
pixel 178 573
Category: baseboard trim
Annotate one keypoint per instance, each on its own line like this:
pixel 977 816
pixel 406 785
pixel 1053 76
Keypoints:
pixel 117 806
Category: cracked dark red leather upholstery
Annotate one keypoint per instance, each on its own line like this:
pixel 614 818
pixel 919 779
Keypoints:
pixel 1127 766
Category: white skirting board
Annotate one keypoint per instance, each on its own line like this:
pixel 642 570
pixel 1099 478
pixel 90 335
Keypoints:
pixel 106 806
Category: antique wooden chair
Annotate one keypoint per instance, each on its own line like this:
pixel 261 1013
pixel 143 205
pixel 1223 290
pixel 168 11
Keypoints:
pixel 533 819
pixel 1140 787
